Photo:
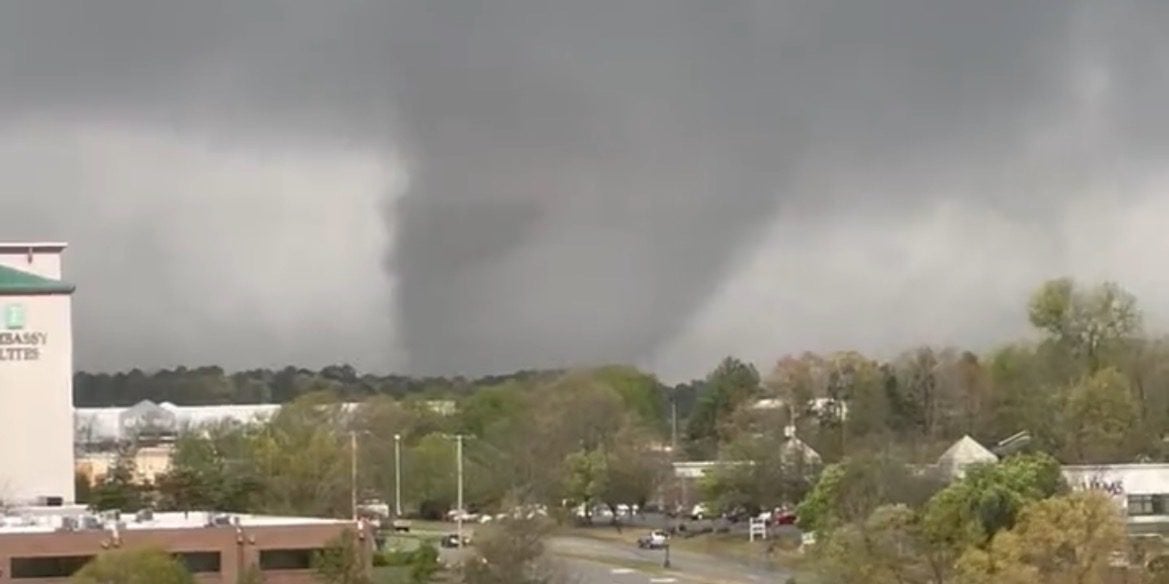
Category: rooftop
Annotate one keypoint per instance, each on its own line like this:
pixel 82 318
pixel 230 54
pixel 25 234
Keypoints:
pixel 36 521
pixel 24 246
pixel 14 282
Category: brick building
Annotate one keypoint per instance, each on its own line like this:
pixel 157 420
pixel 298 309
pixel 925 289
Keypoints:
pixel 48 547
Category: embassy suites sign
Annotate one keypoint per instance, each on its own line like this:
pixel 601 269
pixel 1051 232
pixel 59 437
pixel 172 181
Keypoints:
pixel 16 343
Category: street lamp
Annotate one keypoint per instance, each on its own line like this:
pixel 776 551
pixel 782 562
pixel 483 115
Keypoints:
pixel 666 562
pixel 459 469
pixel 397 476
pixel 353 470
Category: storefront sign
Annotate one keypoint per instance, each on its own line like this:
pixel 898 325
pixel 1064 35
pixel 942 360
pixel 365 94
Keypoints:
pixel 17 344
pixel 14 317
pixel 1114 488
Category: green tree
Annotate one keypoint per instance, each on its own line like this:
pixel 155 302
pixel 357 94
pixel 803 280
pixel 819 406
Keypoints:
pixel 586 478
pixel 989 498
pixel 430 482
pixel 887 547
pixel 730 384
pixel 342 561
pixel 424 563
pixel 1069 539
pixel 644 396
pixel 303 455
pixel 633 471
pixel 1089 323
pixel 849 491
pixel 759 471
pixel 1102 419
pixel 133 566
pixel 118 489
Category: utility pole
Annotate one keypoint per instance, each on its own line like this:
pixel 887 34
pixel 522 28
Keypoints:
pixel 459 463
pixel 397 476
pixel 353 473
pixel 674 417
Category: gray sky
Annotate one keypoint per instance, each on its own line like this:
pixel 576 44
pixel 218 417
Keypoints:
pixel 484 186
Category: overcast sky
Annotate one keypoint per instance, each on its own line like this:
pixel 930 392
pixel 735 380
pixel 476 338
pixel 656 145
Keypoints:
pixel 461 186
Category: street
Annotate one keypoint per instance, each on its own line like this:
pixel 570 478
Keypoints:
pixel 594 561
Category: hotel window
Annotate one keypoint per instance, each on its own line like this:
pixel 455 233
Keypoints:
pixel 200 562
pixel 301 559
pixel 47 567
pixel 1141 505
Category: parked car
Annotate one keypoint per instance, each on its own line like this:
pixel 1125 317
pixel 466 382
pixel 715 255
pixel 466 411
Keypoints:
pixel 656 540
pixel 699 512
pixel 451 540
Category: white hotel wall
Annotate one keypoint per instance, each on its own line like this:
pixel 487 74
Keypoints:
pixel 44 260
pixel 36 407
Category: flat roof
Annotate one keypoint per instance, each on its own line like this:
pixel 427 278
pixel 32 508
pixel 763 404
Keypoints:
pixel 38 522
pixel 33 245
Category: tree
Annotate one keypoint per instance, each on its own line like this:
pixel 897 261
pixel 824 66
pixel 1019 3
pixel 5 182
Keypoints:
pixel 1088 323
pixel 586 478
pixel 643 395
pixel 431 479
pixel 849 491
pixel 303 455
pixel 887 547
pixel 182 489
pixel 1069 539
pixel 512 552
pixel 759 471
pixel 989 499
pixel 634 472
pixel 424 563
pixel 730 384
pixel 1101 418
pixel 134 566
pixel 342 561
pixel 214 466
pixel 118 489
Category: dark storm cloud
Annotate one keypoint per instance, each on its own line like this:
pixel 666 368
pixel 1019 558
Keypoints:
pixel 584 176
pixel 638 147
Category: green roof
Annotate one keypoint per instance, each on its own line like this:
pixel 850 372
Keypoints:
pixel 14 282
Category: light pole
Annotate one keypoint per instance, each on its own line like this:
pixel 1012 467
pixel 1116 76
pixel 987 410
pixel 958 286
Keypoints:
pixel 353 472
pixel 666 562
pixel 459 470
pixel 459 466
pixel 397 476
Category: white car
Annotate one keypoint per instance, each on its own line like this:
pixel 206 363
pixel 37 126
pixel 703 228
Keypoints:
pixel 699 512
pixel 656 540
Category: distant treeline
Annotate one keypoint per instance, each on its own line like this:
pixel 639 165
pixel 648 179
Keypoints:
pixel 212 385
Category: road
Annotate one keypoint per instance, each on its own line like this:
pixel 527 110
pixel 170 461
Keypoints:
pixel 602 562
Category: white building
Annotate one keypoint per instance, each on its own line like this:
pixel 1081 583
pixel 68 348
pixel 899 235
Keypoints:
pixel 961 455
pixel 1141 490
pixel 36 376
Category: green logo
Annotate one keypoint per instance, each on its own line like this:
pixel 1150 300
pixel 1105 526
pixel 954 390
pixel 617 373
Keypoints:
pixel 14 317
